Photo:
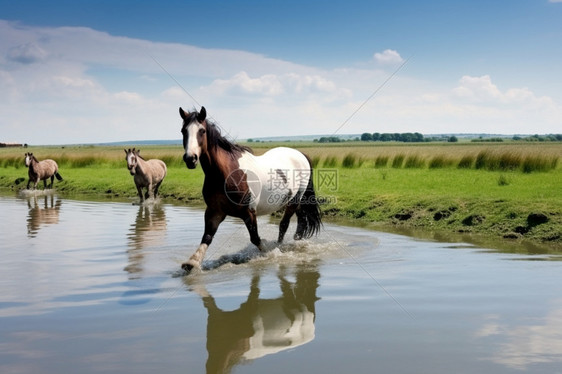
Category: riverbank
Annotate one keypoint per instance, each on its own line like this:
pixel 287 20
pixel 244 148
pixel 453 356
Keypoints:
pixel 506 204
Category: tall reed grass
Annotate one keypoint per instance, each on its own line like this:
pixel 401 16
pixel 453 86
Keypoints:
pixel 398 161
pixel 515 157
pixel 414 162
pixel 510 160
pixel 381 161
pixel 352 161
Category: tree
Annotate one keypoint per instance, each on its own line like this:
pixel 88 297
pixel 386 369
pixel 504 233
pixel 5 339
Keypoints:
pixel 452 139
pixel 366 137
pixel 386 137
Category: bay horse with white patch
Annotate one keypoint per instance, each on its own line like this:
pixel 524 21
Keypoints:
pixel 240 184
pixel 147 174
pixel 41 171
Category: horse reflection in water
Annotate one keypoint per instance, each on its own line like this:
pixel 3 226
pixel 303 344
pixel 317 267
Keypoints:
pixel 260 327
pixel 149 230
pixel 38 215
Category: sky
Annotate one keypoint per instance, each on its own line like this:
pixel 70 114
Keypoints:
pixel 76 72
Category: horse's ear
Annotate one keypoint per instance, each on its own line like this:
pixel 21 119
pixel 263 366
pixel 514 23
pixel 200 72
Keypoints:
pixel 183 113
pixel 125 151
pixel 202 115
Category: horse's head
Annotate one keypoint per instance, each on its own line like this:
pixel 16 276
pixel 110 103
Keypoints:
pixel 194 131
pixel 132 159
pixel 28 159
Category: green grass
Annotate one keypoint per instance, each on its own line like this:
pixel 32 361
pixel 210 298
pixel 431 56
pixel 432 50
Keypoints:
pixel 502 201
pixel 489 190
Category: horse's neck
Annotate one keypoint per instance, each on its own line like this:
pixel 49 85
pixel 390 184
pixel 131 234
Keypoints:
pixel 33 165
pixel 141 165
pixel 216 163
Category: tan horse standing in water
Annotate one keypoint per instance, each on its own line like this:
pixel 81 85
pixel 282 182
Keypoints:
pixel 41 171
pixel 148 174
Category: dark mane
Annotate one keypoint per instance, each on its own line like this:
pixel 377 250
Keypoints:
pixel 139 156
pixel 216 139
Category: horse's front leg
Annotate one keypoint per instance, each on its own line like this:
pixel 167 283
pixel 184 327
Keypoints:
pixel 212 221
pixel 149 191
pixel 52 181
pixel 139 191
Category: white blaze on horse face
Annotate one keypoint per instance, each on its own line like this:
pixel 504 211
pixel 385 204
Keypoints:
pixel 131 163
pixel 27 160
pixel 193 146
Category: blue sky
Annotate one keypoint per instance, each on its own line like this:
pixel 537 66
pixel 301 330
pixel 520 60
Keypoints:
pixel 89 71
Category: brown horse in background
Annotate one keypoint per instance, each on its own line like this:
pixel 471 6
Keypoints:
pixel 148 174
pixel 41 170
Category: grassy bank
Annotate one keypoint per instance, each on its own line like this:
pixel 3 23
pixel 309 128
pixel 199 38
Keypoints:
pixel 511 191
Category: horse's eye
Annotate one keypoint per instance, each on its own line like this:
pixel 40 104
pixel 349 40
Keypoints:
pixel 202 131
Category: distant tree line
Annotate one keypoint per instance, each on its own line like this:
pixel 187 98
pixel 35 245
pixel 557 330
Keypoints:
pixel 406 137
pixel 416 137
pixel 540 138
pixel 329 139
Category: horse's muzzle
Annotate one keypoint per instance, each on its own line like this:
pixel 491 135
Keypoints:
pixel 190 161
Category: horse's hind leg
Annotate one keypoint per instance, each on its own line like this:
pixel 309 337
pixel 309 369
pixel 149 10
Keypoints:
pixel 284 224
pixel 302 224
pixel 156 188
pixel 252 225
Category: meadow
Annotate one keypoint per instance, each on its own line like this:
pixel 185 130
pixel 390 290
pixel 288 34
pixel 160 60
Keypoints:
pixel 509 190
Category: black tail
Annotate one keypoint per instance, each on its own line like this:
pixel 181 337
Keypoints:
pixel 58 176
pixel 308 213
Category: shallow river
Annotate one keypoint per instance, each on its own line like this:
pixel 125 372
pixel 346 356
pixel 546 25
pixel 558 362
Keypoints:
pixel 95 287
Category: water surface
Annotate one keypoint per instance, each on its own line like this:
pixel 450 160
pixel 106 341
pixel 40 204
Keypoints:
pixel 96 287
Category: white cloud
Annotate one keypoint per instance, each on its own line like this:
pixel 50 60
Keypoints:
pixel 241 83
pixel 523 345
pixel 274 85
pixel 80 85
pixel 482 90
pixel 388 57
pixel 477 88
pixel 26 53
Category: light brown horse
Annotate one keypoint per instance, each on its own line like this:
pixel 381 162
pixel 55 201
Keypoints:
pixel 41 171
pixel 147 174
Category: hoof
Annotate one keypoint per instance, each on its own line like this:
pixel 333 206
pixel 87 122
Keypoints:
pixel 190 265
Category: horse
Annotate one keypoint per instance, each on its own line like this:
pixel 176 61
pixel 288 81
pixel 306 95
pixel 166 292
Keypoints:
pixel 38 215
pixel 260 326
pixel 239 184
pixel 41 170
pixel 149 174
